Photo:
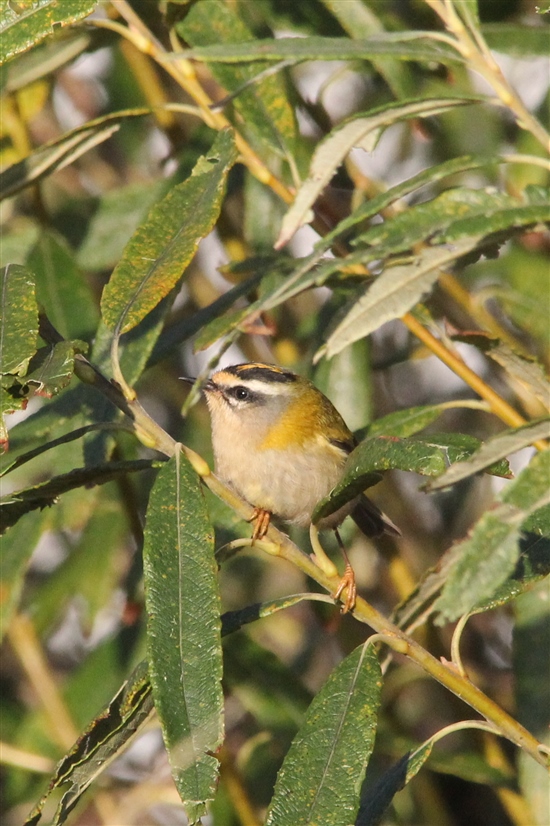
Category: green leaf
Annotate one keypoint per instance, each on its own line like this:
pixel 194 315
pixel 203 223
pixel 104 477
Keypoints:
pixel 18 242
pixel 515 39
pixel 415 45
pixel 524 278
pixel 12 462
pixel 18 545
pixel 376 799
pixel 263 213
pixel 529 486
pixel 322 773
pixel 469 11
pixel 539 523
pixel 87 405
pixel 234 620
pixel 51 368
pixel 27 22
pixel 264 107
pixel 361 132
pixel 135 348
pixel 394 293
pixel 496 221
pixel 46 58
pixel 11 399
pixel 158 253
pixel 264 278
pixel 267 688
pixel 61 152
pixel 427 177
pixel 360 22
pixel 19 319
pixel 207 320
pixel 492 451
pixel 346 381
pixel 44 494
pixel 531 658
pixel 119 213
pixel 524 369
pixel 49 422
pixel 473 767
pixel 405 423
pixel 401 285
pixel 532 566
pixel 469 765
pixel 61 288
pixel 99 744
pixel 457 446
pixel 309 271
pixel 488 556
pixel 109 732
pixel 184 643
pixel 428 455
pixel 435 217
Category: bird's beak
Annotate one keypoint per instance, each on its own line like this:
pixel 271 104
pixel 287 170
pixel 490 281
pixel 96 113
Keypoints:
pixel 206 387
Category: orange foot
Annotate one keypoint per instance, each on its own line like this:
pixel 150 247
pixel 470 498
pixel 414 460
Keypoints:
pixel 347 581
pixel 261 519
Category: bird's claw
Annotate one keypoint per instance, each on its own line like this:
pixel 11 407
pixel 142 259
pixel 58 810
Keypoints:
pixel 261 519
pixel 347 581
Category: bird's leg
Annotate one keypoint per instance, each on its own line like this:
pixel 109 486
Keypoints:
pixel 261 519
pixel 347 581
pixel 319 556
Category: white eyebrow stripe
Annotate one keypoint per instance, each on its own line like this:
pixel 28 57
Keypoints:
pixel 265 388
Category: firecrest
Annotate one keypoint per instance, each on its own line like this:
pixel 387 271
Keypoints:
pixel 282 445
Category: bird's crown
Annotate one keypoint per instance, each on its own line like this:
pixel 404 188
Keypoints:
pixel 255 381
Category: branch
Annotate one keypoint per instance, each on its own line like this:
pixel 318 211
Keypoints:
pixel 278 544
pixel 183 72
pixel 471 44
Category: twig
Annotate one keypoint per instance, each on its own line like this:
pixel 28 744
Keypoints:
pixel 470 43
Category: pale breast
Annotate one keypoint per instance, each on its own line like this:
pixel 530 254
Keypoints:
pixel 289 484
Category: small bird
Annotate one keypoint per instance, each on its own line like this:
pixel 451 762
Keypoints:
pixel 282 446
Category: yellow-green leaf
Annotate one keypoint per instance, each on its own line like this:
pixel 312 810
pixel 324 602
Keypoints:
pixel 18 319
pixel 27 22
pixel 158 253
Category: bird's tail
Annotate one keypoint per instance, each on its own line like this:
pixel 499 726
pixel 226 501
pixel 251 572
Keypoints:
pixel 371 520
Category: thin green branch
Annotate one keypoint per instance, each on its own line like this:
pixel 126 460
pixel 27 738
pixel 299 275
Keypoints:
pixel 470 43
pixel 183 72
pixel 455 643
pixel 23 458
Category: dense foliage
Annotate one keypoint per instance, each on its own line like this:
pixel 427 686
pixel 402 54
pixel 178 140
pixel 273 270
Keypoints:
pixel 355 189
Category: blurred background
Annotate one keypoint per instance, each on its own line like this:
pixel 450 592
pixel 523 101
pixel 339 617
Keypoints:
pixel 75 617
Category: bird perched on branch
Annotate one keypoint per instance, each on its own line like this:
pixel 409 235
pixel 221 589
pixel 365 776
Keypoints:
pixel 282 445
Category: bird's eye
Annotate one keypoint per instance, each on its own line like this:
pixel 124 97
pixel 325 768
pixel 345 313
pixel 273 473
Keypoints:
pixel 241 393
